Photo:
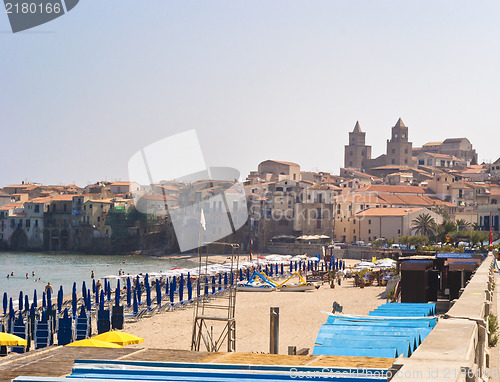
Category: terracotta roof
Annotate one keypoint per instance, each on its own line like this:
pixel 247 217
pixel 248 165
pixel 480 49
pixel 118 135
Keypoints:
pixel 399 123
pixel 10 206
pixel 121 183
pixel 381 188
pixel 19 215
pixel 444 156
pixel 433 144
pixel 353 198
pixel 388 211
pixel 282 162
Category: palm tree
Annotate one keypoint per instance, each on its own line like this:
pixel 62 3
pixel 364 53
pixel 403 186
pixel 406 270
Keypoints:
pixel 424 224
pixel 463 225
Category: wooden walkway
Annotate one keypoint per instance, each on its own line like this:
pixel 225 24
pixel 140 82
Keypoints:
pixel 58 361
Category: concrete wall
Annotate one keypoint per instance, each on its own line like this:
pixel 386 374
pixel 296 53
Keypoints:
pixel 457 348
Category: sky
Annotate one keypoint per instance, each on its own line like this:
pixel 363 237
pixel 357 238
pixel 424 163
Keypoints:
pixel 260 79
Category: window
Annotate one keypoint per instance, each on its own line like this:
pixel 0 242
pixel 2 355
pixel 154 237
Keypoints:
pixel 406 151
pixel 393 151
pixel 421 162
pixel 406 161
pixel 369 231
pixel 36 222
pixel 399 232
pixel 37 208
pixel 369 221
pixel 28 223
pixel 98 218
pixel 393 161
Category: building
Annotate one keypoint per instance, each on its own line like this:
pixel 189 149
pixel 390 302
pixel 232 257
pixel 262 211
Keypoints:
pixel 356 152
pixel 124 187
pixel 460 148
pixel 399 149
pixel 274 171
pixel 437 160
pixel 386 223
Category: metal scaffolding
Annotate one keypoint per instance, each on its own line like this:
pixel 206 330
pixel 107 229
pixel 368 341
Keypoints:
pixel 215 309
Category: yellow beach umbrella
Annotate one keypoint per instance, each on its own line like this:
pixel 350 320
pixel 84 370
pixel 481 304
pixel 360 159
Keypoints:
pixel 119 338
pixel 91 342
pixel 7 339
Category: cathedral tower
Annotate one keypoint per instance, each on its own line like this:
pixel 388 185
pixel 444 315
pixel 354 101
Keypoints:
pixel 356 152
pixel 399 150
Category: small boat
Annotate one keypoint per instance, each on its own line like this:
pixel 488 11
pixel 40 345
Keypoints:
pixel 301 286
pixel 254 285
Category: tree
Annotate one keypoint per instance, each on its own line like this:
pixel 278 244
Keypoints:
pixel 424 225
pixel 463 225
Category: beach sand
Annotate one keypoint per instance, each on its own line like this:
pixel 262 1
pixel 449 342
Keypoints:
pixel 300 318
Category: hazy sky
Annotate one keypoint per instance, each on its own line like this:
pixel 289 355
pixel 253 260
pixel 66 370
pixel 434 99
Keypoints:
pixel 257 79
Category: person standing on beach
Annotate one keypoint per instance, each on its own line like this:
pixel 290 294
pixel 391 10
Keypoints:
pixel 92 275
pixel 48 287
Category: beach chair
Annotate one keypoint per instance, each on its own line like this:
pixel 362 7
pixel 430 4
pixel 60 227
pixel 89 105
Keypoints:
pixel 82 327
pixel 20 329
pixel 43 334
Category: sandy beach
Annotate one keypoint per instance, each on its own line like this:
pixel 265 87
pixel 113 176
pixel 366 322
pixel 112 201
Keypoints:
pixel 300 317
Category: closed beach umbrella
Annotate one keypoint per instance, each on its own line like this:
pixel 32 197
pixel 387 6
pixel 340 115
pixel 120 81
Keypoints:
pixel 84 289
pixel 282 269
pixel 241 274
pixel 35 298
pixel 129 292
pixel 101 301
pixel 158 293
pixel 148 296
pixel 44 300
pixel 59 300
pixel 291 266
pixel 84 294
pixel 21 301
pixel 97 297
pixel 248 274
pixel 11 307
pixel 89 300
pixel 93 285
pixel 343 265
pixel 146 280
pixel 189 287
pixel 206 286
pixel 174 283
pixel 139 292
pixel 73 301
pixel 49 299
pixel 232 278
pixel 181 288
pixel 167 284
pixel 267 270
pixel 135 307
pixel 225 280
pixel 220 282
pixel 213 284
pixel 198 288
pixel 172 293
pixel 117 296
pixel 26 303
pixel 109 291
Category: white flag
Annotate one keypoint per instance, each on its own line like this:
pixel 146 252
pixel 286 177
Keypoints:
pixel 202 220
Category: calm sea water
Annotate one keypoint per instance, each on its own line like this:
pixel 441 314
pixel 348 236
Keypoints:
pixel 64 269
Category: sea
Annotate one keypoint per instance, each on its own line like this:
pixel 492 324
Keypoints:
pixel 66 268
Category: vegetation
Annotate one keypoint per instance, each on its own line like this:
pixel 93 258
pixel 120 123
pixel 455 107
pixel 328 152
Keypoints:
pixel 424 225
pixel 492 330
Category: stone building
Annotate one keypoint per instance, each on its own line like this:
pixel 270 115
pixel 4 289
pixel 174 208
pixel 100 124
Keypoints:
pixel 356 152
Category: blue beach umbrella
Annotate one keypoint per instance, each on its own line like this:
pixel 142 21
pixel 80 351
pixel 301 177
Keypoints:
pixel 118 286
pixel 198 288
pixel 89 301
pixel 248 274
pixel 101 301
pixel 146 280
pixel 213 284
pixel 21 301
pixel 135 306
pixel 11 307
pixel 225 280
pixel 172 293
pixel 206 285
pixel 35 298
pixel 148 296
pixel 343 265
pixel 267 270
pixel 109 291
pixel 158 293
pixel 26 303
pixel 232 278
pixel 97 297
pixel 49 299
pixel 174 283
pixel 129 292
pixel 59 300
pixel 167 284
pixel 84 289
pixel 189 288
pixel 117 296
pixel 220 282
pixel 241 274
pixel 74 301
pixel 84 294
pixel 139 292
pixel 181 288
pixel 282 269
pixel 5 303
pixel 93 285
